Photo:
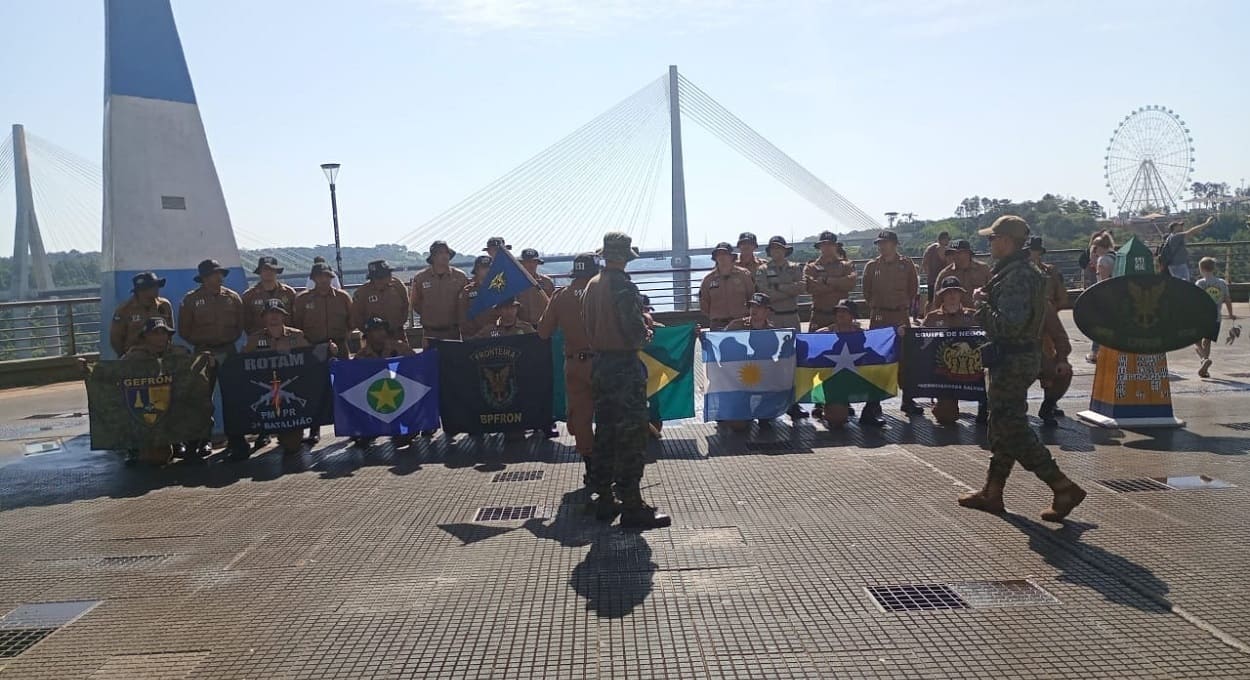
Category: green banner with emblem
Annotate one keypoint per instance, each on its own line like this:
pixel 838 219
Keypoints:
pixel 145 403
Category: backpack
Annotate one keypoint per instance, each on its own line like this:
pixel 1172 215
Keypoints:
pixel 1165 251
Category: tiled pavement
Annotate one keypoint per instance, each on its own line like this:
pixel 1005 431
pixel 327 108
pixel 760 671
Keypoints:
pixel 345 564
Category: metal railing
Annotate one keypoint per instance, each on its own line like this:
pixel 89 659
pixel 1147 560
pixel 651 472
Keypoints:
pixel 49 328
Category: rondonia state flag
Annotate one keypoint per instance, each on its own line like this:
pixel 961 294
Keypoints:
pixel 495 384
pixel 374 397
pixel 264 392
pixel 750 374
pixel 846 368
pixel 669 360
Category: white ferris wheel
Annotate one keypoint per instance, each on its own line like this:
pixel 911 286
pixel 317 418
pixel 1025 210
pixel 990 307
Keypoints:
pixel 1149 161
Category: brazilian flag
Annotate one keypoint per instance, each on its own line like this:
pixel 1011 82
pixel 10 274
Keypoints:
pixel 670 373
pixel 846 368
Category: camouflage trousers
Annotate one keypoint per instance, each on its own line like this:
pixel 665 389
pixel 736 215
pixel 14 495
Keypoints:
pixel 619 386
pixel 1012 439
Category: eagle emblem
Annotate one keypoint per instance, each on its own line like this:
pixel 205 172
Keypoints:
pixel 498 386
pixel 499 282
pixel 1145 307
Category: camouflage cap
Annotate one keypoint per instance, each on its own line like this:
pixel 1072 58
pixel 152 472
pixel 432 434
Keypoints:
pixel 1010 226
pixel 320 268
pixel 780 241
pixel 439 247
pixel 722 247
pixel 379 269
pixel 496 242
pixel 886 235
pixel 845 304
pixel 530 255
pixel 618 246
pixel 144 280
pixel 156 323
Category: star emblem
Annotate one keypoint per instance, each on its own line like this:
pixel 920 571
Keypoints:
pixel 845 359
pixel 385 395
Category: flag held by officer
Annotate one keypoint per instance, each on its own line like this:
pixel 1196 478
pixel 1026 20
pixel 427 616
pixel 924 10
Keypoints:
pixel 669 359
pixel 846 368
pixel 376 397
pixel 149 402
pixel 750 374
pixel 945 363
pixel 499 384
pixel 505 279
pixel 269 392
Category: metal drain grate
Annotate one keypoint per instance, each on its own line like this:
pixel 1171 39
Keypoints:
pixel 42 447
pixel 518 476
pixel 916 597
pixel 997 594
pixel 125 561
pixel 1241 427
pixel 506 513
pixel 1131 485
pixel 14 641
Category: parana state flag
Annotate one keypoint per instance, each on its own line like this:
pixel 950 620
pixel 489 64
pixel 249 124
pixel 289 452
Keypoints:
pixel 750 374
pixel 670 373
pixel 375 397
pixel 846 368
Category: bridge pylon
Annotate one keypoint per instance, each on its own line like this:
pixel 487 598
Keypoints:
pixel 31 272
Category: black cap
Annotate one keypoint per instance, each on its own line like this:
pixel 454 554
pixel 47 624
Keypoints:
pixel 826 237
pixel 208 267
pixel 961 244
pixel 266 261
pixel 646 303
pixel 1035 243
pixel 950 283
pixel 435 247
pixel 156 323
pixel 845 304
pixel 146 280
pixel 779 241
pixel 886 235
pixel 275 305
pixel 530 255
pixel 379 269
pixel 723 246
pixel 377 322
pixel 481 261
pixel 585 266
pixel 496 242
pixel 747 237
pixel 761 299
pixel 508 302
pixel 320 268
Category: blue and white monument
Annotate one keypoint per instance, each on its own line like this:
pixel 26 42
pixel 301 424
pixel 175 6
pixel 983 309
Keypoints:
pixel 164 210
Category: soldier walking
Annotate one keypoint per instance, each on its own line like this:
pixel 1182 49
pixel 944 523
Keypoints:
pixel 324 314
pixel 890 286
pixel 256 299
pixel 970 273
pixel 724 293
pixel 383 296
pixel 616 330
pixel 1012 309
pixel 534 300
pixel 829 278
pixel 435 292
pixel 211 320
pixel 131 316
pixel 565 313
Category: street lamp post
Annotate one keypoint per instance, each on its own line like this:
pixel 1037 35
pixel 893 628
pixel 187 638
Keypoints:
pixel 332 170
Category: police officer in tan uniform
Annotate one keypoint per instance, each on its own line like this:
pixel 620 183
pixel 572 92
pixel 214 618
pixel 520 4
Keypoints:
pixel 891 284
pixel 210 319
pixel 132 316
pixel 724 293
pixel 379 343
pixel 383 296
pixel 324 314
pixel 564 313
pixel 471 327
pixel 970 273
pixel 829 278
pixel 747 243
pixel 493 244
pixel 435 291
pixel 534 300
pixel 1056 289
pixel 508 322
pixel 782 280
pixel 837 414
pixel 951 313
pixel 256 299
pixel 933 261
pixel 275 335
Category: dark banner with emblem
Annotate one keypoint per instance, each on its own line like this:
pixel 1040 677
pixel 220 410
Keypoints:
pixel 944 362
pixel 265 392
pixel 146 403
pixel 1146 314
pixel 495 384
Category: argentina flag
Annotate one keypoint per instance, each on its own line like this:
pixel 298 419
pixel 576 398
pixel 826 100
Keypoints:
pixel 750 374
pixel 376 397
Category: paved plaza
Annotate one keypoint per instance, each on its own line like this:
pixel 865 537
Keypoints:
pixel 795 552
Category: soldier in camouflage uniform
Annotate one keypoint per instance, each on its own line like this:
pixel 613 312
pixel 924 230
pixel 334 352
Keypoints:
pixel 1012 309
pixel 616 330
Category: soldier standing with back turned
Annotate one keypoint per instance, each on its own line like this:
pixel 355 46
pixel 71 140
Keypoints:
pixel 565 313
pixel 1012 310
pixel 616 330
pixel 211 320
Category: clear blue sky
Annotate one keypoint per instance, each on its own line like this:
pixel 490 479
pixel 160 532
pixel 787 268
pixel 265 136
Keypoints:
pixel 905 105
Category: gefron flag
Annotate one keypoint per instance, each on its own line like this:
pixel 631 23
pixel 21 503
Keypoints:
pixel 264 392
pixel 376 397
pixel 495 384
pixel 506 278
pixel 150 402
pixel 669 359
pixel 846 368
pixel 750 374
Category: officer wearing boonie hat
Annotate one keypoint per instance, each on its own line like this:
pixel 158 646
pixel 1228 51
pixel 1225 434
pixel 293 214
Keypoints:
pixel 130 316
pixel 507 322
pixel 564 313
pixel 759 317
pixel 275 334
pixel 267 288
pixel 747 243
pixel 211 319
pixel 384 296
pixel 435 295
pixel 891 285
pixel 150 347
pixel 782 280
pixel 828 278
pixel 534 300
pixel 1056 289
pixel 724 292
pixel 471 327
pixel 494 243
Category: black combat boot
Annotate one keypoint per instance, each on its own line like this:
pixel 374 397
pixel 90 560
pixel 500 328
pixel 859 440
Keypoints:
pixel 871 415
pixel 604 505
pixel 1047 413
pixel 983 413
pixel 796 412
pixel 910 407
pixel 238 449
pixel 644 517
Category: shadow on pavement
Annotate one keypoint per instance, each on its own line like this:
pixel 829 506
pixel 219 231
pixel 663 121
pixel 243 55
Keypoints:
pixel 1115 577
pixel 617 574
pixel 1169 441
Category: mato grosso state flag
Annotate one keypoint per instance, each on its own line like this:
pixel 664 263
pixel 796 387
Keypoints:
pixel 669 359
pixel 374 397
pixel 137 404
pixel 267 392
pixel 495 384
pixel 846 368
